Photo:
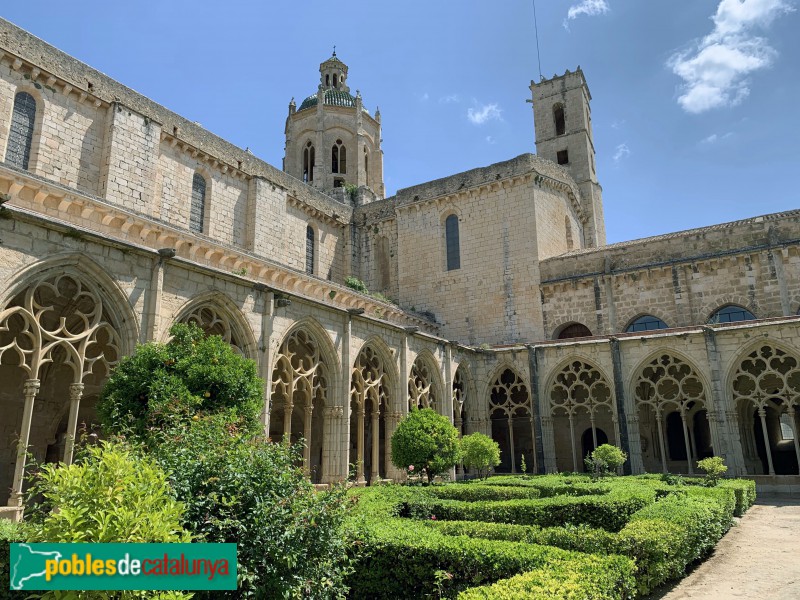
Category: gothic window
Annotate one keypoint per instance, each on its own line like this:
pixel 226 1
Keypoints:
pixel 452 243
pixel 308 163
pixel 339 158
pixel 511 420
pixel 197 210
pixel 562 157
pixel 731 314
pixel 20 137
pixel 646 323
pixel 310 250
pixel 214 322
pixel 369 397
pixel 558 117
pixel 420 386
pixel 573 330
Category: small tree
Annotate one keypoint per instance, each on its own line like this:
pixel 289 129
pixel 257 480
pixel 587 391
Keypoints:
pixel 714 468
pixel 605 460
pixel 426 440
pixel 480 452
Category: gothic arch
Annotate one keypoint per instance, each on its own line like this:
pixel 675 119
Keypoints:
pixel 217 314
pixel 425 387
pixel 303 379
pixel 42 105
pixel 580 392
pixel 511 417
pixel 765 386
pixel 465 405
pixel 668 382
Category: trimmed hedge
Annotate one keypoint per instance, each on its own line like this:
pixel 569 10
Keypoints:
pixel 745 492
pixel 473 493
pixel 406 559
pixel 593 578
pixel 551 485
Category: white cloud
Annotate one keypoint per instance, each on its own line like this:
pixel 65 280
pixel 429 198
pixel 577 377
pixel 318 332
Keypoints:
pixel 714 138
pixel 452 98
pixel 424 97
pixel 715 68
pixel 622 152
pixel 617 124
pixel 487 112
pixel 490 140
pixel 589 8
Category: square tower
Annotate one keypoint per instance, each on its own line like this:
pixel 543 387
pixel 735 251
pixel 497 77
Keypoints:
pixel 563 124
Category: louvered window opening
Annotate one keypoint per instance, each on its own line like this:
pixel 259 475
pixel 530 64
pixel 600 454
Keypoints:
pixel 198 208
pixel 451 238
pixel 20 136
pixel 310 250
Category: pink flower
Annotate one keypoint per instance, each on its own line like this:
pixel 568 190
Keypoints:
pixel 410 467
pixel 433 517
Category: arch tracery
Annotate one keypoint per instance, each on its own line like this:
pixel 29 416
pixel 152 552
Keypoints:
pixel 370 397
pixel 511 418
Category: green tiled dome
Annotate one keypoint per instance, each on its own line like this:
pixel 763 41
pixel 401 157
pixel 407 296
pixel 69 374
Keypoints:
pixel 332 98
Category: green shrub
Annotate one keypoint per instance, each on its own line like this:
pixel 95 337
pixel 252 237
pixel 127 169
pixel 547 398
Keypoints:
pixel 108 495
pixel 590 577
pixel 714 468
pixel 354 283
pixel 551 485
pixel 480 452
pixel 605 460
pixel 744 492
pixel 471 493
pixel 427 441
pixel 164 385
pixel 9 533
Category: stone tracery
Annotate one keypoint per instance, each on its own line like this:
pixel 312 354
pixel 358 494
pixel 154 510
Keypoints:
pixel 512 419
pixel 369 395
pixel 212 322
pixel 421 391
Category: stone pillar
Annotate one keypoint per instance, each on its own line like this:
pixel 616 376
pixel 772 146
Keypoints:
pixel 360 446
pixel 265 355
pixel 724 427
pixel 308 414
pixel 628 444
pixel 447 401
pixel 548 440
pixel 536 410
pixel 30 389
pixel 375 472
pixel 152 329
pixel 75 394
pixel 635 456
pixel 343 441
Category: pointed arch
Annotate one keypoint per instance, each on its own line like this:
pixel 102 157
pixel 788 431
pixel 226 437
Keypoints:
pixel 511 417
pixel 464 398
pixel 217 314
pixel 425 387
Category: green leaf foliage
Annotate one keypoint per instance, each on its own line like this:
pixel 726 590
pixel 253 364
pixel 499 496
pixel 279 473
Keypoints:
pixel 164 385
pixel 480 452
pixel 426 440
pixel 714 468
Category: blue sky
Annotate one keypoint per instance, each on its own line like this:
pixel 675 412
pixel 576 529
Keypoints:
pixel 693 100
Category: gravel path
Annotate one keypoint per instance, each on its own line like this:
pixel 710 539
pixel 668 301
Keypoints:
pixel 759 558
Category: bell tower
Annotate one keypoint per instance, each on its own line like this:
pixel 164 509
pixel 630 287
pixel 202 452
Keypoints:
pixel 563 124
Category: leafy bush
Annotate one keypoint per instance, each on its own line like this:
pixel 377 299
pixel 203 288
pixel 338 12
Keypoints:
pixel 714 468
pixel 108 495
pixel 426 440
pixel 591 577
pixel 9 533
pixel 166 385
pixel 605 460
pixel 744 491
pixel 354 283
pixel 480 452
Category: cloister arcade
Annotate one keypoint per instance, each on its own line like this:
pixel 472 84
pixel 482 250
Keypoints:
pixel 65 324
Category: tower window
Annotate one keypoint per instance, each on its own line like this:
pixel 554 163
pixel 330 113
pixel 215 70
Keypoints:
pixel 310 250
pixel 335 81
pixel 308 163
pixel 452 243
pixel 327 80
pixel 197 210
pixel 20 137
pixel 339 158
pixel 558 117
pixel 562 156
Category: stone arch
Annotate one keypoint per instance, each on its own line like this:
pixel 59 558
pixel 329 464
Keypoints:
pixel 765 385
pixel 717 302
pixel 567 325
pixel 580 393
pixel 217 314
pixel 632 316
pixel 664 383
pixel 63 327
pixel 425 382
pixel 303 379
pixel 511 417
pixel 372 390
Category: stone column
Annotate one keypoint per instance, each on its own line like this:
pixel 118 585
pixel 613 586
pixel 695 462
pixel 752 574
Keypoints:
pixel 360 446
pixel 548 441
pixel 447 401
pixel 265 354
pixel 635 456
pixel 75 394
pixel 375 473
pixel 307 416
pixel 30 389
pixel 343 441
pixel 536 410
pixel 152 330
pixel 630 444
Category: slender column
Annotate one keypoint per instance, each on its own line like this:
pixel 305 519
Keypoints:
pixel 548 443
pixel 661 444
pixel 307 435
pixel 686 443
pixel 447 401
pixel 511 445
pixel 533 437
pixel 375 474
pixel 360 445
pixel 572 443
pixel 763 416
pixel 30 389
pixel 343 443
pixel 402 385
pixel 288 409
pixel 692 439
pixel 75 394
pixel 536 411
pixel 267 317
pixel 794 432
pixel 594 429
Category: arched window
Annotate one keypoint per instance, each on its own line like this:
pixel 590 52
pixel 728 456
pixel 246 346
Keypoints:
pixel 335 81
pixel 560 121
pixel 327 80
pixel 310 250
pixel 339 158
pixel 20 136
pixel 646 323
pixel 452 243
pixel 731 314
pixel 197 211
pixel 308 162
pixel 573 330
